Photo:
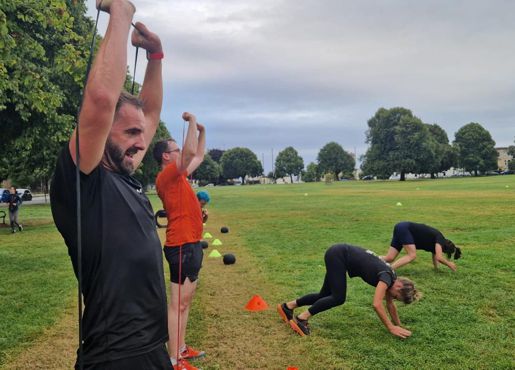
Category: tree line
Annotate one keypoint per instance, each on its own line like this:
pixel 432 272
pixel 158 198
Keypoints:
pixel 221 167
pixel 44 49
pixel 401 143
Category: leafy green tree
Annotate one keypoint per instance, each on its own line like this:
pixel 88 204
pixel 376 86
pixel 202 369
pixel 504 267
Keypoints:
pixel 216 154
pixel 240 162
pixel 511 150
pixel 311 174
pixel 399 142
pixel 415 151
pixel 333 159
pixel 208 171
pixel 445 155
pixel 511 163
pixel 381 137
pixel 288 162
pixel 148 170
pixel 476 149
pixel 44 46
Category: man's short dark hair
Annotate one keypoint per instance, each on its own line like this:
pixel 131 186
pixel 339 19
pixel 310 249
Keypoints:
pixel 159 148
pixel 126 98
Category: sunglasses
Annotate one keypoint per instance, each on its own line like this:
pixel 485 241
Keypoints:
pixel 173 151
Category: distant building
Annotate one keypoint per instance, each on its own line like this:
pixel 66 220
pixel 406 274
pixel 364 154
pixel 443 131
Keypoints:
pixel 503 159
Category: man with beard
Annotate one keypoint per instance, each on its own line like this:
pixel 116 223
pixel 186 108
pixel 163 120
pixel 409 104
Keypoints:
pixel 124 319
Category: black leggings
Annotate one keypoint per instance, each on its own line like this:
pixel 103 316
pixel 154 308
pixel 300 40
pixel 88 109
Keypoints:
pixel 334 289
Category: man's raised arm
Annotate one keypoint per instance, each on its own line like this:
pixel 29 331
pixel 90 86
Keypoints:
pixel 152 90
pixel 103 88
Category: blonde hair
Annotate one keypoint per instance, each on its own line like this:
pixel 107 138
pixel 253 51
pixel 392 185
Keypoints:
pixel 408 292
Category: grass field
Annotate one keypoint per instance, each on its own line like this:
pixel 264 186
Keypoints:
pixel 279 234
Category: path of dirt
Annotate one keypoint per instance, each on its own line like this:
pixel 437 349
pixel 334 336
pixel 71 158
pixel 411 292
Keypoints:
pixel 232 337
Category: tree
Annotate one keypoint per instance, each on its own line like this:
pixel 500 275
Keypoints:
pixel 399 142
pixel 511 163
pixel 476 148
pixel 511 150
pixel 148 170
pixel 43 55
pixel 381 137
pixel 311 173
pixel 216 154
pixel 240 162
pixel 445 154
pixel 415 151
pixel 208 171
pixel 288 162
pixel 333 159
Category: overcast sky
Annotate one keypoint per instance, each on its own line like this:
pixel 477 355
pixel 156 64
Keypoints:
pixel 269 74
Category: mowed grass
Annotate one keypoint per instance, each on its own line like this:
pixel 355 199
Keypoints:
pixel 36 279
pixel 465 319
pixel 279 234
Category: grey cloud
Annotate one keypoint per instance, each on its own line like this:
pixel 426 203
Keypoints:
pixel 303 73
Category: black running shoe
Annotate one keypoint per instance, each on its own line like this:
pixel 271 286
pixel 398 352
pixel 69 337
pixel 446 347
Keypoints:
pixel 300 326
pixel 285 313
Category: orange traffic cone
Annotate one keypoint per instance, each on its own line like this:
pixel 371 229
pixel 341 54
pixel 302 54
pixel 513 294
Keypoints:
pixel 256 303
pixel 292 368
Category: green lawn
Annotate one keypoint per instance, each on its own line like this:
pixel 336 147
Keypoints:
pixel 36 279
pixel 465 319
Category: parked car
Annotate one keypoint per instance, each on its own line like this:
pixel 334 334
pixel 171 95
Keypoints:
pixel 5 196
pixel 507 172
pixel 367 177
pixel 25 194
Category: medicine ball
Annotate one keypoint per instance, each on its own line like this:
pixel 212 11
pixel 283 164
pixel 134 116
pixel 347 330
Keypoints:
pixel 204 244
pixel 224 229
pixel 160 214
pixel 229 259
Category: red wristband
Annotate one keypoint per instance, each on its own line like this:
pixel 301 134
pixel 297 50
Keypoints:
pixel 155 56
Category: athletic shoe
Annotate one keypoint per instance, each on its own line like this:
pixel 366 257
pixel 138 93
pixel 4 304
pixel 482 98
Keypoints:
pixel 20 227
pixel 184 365
pixel 13 231
pixel 285 313
pixel 191 354
pixel 300 326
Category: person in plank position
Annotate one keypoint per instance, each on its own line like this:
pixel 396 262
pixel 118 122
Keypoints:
pixel 412 236
pixel 343 259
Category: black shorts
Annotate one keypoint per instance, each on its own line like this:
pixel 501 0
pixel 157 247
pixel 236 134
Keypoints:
pixel 192 256
pixel 401 236
pixel 157 359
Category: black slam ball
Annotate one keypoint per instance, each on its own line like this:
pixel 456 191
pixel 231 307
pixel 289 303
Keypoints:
pixel 224 229
pixel 160 214
pixel 229 259
pixel 204 244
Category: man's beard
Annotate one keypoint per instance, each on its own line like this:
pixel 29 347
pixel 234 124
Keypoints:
pixel 115 158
